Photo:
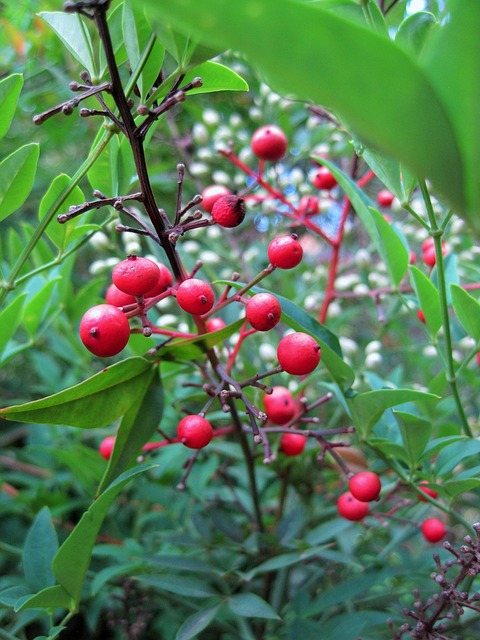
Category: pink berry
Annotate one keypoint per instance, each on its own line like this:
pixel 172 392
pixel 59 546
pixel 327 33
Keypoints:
pixel 194 431
pixel 166 281
pixel 292 444
pixel 104 330
pixel 195 296
pixel 308 206
pixel 263 311
pixel 285 252
pixel 215 324
pixel 350 508
pixel 118 298
pixel 106 447
pixel 136 275
pixel 269 143
pixel 365 486
pixel 433 530
pixel 211 194
pixel 229 211
pixel 298 353
pixel 385 198
pixel 279 405
pixel 324 179
pixel 427 491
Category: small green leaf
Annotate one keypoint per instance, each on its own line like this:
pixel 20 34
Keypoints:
pixel 216 77
pixel 428 299
pixel 41 545
pixel 455 487
pixel 467 309
pixel 37 307
pixel 10 88
pixel 72 31
pixel 413 32
pixel 60 233
pixel 10 319
pixel 180 585
pixel 51 598
pixel 193 348
pixel 250 605
pixel 392 249
pixel 17 173
pixel 285 560
pixel 416 432
pixel 196 623
pixel 95 402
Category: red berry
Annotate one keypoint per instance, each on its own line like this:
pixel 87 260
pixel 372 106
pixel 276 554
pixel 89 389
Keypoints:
pixel 421 316
pixel 106 447
pixel 195 296
pixel 104 330
pixel 433 530
pixel 308 206
pixel 269 143
pixel 385 198
pixel 279 405
pixel 229 211
pixel 429 492
pixel 194 431
pixel 298 353
pixel 285 252
pixel 428 249
pixel 350 508
pixel 215 324
pixel 324 179
pixel 136 275
pixel 263 311
pixel 211 194
pixel 118 298
pixel 166 281
pixel 292 444
pixel 365 486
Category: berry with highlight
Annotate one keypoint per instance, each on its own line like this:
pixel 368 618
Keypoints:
pixel 298 353
pixel 194 431
pixel 263 311
pixel 195 296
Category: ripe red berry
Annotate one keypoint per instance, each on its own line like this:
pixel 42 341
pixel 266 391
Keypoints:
pixel 269 143
pixel 421 316
pixel 263 311
pixel 385 198
pixel 365 486
pixel 350 508
pixel 285 252
pixel 104 330
pixel 279 405
pixel 106 447
pixel 324 179
pixel 229 211
pixel 429 492
pixel 298 353
pixel 195 296
pixel 215 324
pixel 118 298
pixel 211 194
pixel 194 431
pixel 166 281
pixel 136 275
pixel 308 206
pixel 433 530
pixel 428 249
pixel 292 444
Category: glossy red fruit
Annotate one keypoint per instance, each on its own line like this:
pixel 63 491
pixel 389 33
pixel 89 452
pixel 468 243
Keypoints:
pixel 229 211
pixel 292 444
pixel 211 194
pixel 308 206
pixel 427 490
pixel 166 281
pixel 365 486
pixel 421 316
pixel 215 324
pixel 285 252
pixel 104 330
pixel 269 143
pixel 350 508
pixel 118 298
pixel 194 431
pixel 428 250
pixel 106 447
pixel 136 275
pixel 279 405
pixel 324 179
pixel 433 530
pixel 263 311
pixel 298 353
pixel 195 296
pixel 385 198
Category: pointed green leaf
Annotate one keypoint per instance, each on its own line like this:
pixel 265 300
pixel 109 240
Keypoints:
pixel 215 77
pixel 41 545
pixel 467 309
pixel 51 598
pixel 416 432
pixel 71 562
pixel 38 306
pixel 392 249
pixel 250 605
pixel 196 623
pixel 72 31
pixel 10 318
pixel 193 348
pixel 59 233
pixel 455 487
pixel 95 402
pixel 413 32
pixel 428 299
pixel 17 173
pixel 10 88
pixel 181 585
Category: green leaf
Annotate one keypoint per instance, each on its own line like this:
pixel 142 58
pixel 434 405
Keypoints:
pixel 71 562
pixel 180 585
pixel 216 77
pixel 285 560
pixel 95 402
pixel 392 249
pixel 249 605
pixel 455 487
pixel 41 545
pixel 428 298
pixel 104 576
pixel 10 88
pixel 72 31
pixel 416 432
pixel 194 348
pixel 413 32
pixel 394 107
pixel 37 307
pixel 137 427
pixel 196 623
pixel 51 598
pixel 17 173
pixel 60 233
pixel 10 318
pixel 467 310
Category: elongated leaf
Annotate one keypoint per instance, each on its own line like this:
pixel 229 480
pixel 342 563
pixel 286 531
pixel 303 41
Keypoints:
pixel 59 233
pixel 10 89
pixel 285 560
pixel 40 548
pixel 71 30
pixel 428 298
pixel 17 173
pixel 192 348
pixel 72 559
pixel 413 32
pixel 467 310
pixel 137 427
pixel 196 623
pixel 216 77
pixel 394 107
pixel 393 251
pixel 416 432
pixel 181 585
pixel 51 598
pixel 95 402
pixel 252 606
pixel 37 307
pixel 10 318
